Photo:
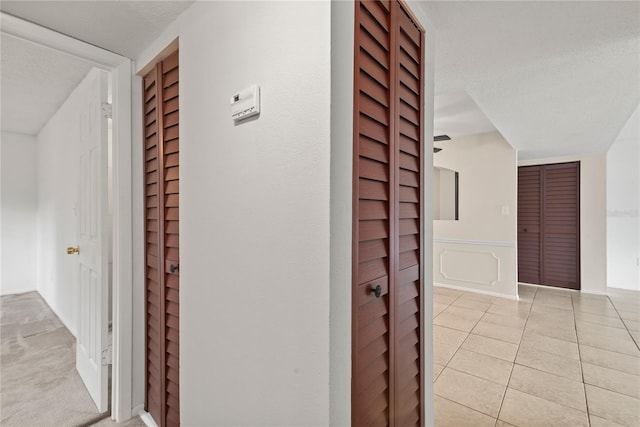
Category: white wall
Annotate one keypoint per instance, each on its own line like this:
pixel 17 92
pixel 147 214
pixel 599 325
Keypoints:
pixel 427 336
pixel 623 207
pixel 58 178
pixel 593 221
pixel 265 295
pixel 255 215
pixel 19 209
pixel 342 63
pixel 444 194
pixel 436 192
pixel 478 252
pixel 138 265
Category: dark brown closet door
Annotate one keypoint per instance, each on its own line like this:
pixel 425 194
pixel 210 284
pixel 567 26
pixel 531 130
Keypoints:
pixel 162 280
pixel 529 216
pixel 549 225
pixel 560 264
pixel 387 297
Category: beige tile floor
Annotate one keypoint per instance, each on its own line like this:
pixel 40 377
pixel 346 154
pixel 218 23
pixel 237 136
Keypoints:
pixel 553 358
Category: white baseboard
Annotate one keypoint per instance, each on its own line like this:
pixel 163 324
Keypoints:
pixel 582 291
pixel 137 410
pixel 476 291
pixel 62 320
pixel 593 292
pixel 622 288
pixel 147 418
pixel 555 288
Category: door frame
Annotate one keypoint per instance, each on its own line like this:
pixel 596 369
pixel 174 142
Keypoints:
pixel 120 72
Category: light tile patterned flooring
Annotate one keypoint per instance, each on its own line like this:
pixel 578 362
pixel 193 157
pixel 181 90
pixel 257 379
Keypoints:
pixel 553 358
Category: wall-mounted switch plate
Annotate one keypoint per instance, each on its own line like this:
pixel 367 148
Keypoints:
pixel 245 103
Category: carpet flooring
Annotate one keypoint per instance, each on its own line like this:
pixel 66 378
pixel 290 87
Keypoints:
pixel 39 385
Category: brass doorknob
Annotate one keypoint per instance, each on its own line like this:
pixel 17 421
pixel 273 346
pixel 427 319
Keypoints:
pixel 73 250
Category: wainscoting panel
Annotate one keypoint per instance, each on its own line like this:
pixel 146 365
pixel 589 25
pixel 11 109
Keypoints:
pixel 479 266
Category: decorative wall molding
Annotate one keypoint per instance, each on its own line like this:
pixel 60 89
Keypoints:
pixel 476 242
pixel 475 291
pixel 481 268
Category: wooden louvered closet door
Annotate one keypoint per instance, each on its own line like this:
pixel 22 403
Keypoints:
pixel 549 224
pixel 529 215
pixel 387 203
pixel 560 264
pixel 162 279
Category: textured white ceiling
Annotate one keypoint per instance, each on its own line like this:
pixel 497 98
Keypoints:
pixel 555 78
pixel 34 82
pixel 631 130
pixel 456 115
pixel 121 26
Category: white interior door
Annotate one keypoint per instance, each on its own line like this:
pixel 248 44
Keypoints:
pixel 93 229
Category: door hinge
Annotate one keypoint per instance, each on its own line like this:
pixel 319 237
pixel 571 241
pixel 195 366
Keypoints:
pixel 107 356
pixel 107 110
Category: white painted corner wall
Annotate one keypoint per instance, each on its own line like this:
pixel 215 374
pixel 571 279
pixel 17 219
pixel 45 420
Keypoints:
pixel 478 252
pixel 19 205
pixel 255 213
pixel 623 207
pixel 342 63
pixel 266 214
pixel 593 221
pixel 58 177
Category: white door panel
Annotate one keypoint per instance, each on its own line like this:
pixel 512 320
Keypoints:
pixel 93 232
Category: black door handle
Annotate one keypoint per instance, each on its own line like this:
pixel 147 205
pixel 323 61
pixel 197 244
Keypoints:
pixel 377 291
pixel 173 268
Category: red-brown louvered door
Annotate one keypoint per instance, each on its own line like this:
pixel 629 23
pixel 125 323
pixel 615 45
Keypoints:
pixel 162 279
pixel 549 243
pixel 387 298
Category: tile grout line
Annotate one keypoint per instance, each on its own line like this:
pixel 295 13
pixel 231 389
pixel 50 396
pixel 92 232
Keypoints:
pixel 623 322
pixel 613 327
pixel 465 406
pixel 605 367
pixel 516 356
pixel 584 384
pixel 574 303
pixel 456 352
pixel 447 364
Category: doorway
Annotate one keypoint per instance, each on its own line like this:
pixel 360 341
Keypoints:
pixel 549 225
pixel 120 72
